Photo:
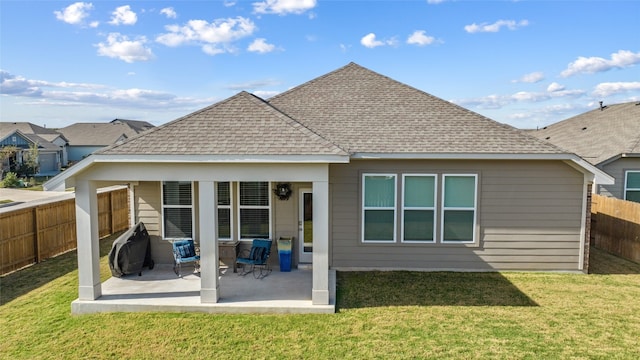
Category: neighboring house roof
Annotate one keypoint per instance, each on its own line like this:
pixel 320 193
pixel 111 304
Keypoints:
pixel 31 132
pixel 352 108
pixel 43 144
pixel 137 125
pixel 598 135
pixel 102 134
pixel 25 127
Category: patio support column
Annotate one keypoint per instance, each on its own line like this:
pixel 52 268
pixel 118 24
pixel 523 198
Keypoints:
pixel 88 245
pixel 320 289
pixel 208 220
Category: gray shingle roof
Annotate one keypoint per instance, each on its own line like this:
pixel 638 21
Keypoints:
pixel 598 135
pixel 364 111
pixel 25 127
pixel 99 134
pixel 240 125
pixel 351 109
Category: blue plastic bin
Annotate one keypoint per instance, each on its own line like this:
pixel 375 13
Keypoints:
pixel 284 253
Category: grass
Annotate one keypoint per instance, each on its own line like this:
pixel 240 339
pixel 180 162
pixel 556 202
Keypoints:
pixel 410 315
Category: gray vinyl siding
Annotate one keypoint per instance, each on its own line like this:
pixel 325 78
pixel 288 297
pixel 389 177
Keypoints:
pixel 148 209
pixel 617 169
pixel 529 216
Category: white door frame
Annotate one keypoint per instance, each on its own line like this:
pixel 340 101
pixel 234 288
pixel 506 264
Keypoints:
pixel 303 256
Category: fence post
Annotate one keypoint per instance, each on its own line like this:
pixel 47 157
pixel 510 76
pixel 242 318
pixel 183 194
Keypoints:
pixel 36 229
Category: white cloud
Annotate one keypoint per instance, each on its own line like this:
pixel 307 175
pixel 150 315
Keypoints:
pixel 495 27
pixel 261 46
pixel 265 94
pixel 74 13
pixel 554 87
pixel 533 77
pixel 611 88
pixel 435 1
pixel 619 60
pixel 500 101
pixel 120 47
pixel 17 85
pixel 283 7
pixel 169 13
pixel 371 42
pixel 420 38
pixel 215 37
pixel 123 16
pixel 252 85
pixel 213 50
pixel 73 94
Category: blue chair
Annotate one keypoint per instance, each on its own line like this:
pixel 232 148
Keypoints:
pixel 257 260
pixel 184 251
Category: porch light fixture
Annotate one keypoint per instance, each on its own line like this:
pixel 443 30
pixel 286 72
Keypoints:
pixel 283 191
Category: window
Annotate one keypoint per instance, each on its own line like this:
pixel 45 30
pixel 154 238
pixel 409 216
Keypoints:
pixel 459 208
pixel 254 210
pixel 632 185
pixel 418 208
pixel 177 209
pixel 379 208
pixel 224 210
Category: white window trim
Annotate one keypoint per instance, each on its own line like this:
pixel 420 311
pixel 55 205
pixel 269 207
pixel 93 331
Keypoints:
pixel 177 207
pixel 474 208
pixel 626 177
pixel 254 207
pixel 394 209
pixel 230 207
pixel 433 208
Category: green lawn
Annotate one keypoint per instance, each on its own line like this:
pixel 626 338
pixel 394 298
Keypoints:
pixel 390 315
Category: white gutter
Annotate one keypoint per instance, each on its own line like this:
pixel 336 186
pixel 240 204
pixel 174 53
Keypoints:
pixel 58 182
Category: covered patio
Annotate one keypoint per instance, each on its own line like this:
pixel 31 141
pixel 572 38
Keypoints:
pixel 161 290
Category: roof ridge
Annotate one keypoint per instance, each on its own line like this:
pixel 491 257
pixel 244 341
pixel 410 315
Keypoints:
pixel 316 79
pixel 291 121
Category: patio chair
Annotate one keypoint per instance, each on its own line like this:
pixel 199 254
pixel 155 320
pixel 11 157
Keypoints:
pixel 184 251
pixel 256 261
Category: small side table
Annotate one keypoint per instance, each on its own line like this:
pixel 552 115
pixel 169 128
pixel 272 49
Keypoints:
pixel 229 253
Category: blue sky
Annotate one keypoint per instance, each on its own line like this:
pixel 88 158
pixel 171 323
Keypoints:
pixel 524 63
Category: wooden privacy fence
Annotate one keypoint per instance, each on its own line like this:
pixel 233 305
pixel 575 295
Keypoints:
pixel 29 235
pixel 615 226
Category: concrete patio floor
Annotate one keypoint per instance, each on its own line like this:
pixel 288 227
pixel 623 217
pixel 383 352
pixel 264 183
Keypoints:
pixel 160 290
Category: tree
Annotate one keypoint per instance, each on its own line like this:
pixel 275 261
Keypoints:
pixel 6 153
pixel 31 159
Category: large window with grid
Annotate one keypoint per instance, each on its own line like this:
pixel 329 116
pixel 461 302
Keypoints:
pixel 224 210
pixel 177 209
pixel 379 208
pixel 254 210
pixel 632 185
pixel 418 208
pixel 459 208
pixel 433 208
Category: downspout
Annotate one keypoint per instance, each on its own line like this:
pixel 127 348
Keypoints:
pixel 585 228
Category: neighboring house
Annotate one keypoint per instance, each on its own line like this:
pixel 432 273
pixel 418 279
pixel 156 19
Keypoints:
pixel 609 138
pixel 86 138
pixel 52 146
pixel 394 178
